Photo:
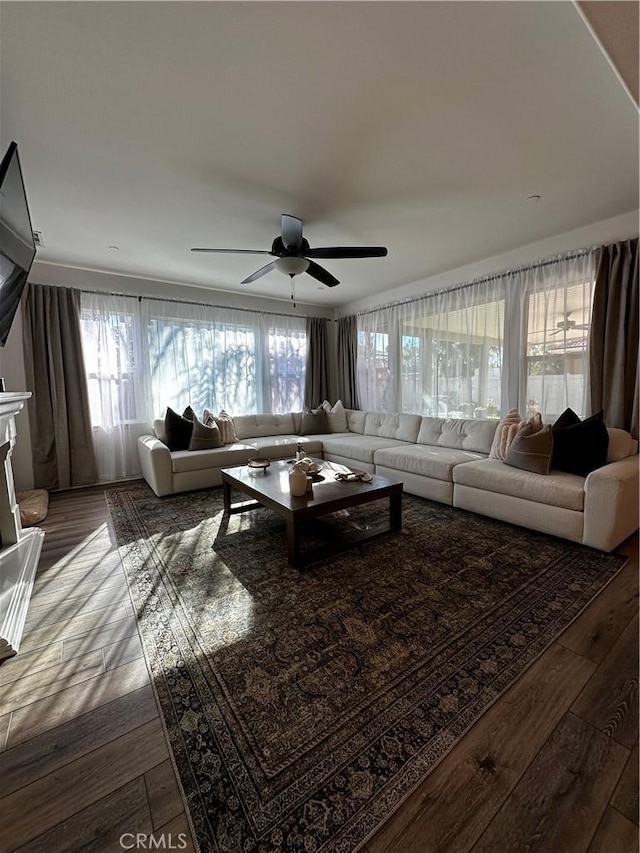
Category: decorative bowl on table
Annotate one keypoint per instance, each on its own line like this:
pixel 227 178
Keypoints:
pixel 259 464
pixel 308 466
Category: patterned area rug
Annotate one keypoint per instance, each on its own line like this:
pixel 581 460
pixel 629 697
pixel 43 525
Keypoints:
pixel 303 706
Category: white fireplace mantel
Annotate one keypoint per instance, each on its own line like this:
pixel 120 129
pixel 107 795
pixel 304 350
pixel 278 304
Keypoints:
pixel 19 549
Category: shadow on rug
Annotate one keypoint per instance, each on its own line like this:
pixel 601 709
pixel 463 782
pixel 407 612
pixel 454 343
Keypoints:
pixel 303 706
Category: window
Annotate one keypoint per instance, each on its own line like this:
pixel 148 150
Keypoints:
pixel 287 360
pixel 556 349
pixel 208 365
pixel 144 355
pixel 475 351
pixel 373 371
pixel 451 362
pixel 110 362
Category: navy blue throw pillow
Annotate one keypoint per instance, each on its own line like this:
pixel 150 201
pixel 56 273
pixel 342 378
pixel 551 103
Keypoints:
pixel 579 447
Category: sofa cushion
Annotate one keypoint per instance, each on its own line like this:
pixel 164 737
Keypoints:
pixel 621 444
pixel 177 430
pixel 158 429
pixel 558 488
pixel 357 447
pixel 336 416
pixel 579 447
pixel 392 425
pixel 219 457
pixel 428 461
pixel 282 446
pixel 474 435
pixel 531 448
pixel 255 426
pixel 355 420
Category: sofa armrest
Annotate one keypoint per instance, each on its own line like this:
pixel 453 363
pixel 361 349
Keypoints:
pixel 611 504
pixel 155 460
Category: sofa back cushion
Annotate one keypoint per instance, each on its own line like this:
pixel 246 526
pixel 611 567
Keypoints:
pixel 392 425
pixel 257 426
pixel 158 428
pixel 355 420
pixel 474 435
pixel 621 444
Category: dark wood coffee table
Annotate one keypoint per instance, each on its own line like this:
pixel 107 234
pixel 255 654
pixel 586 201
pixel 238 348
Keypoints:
pixel 271 489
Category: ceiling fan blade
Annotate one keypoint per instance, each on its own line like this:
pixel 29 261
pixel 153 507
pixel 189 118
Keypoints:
pixel 321 274
pixel 348 252
pixel 291 232
pixel 259 273
pixel 236 251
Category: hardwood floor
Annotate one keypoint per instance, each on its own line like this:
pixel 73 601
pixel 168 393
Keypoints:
pixel 551 767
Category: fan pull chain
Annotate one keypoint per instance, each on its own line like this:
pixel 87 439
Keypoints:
pixel 293 289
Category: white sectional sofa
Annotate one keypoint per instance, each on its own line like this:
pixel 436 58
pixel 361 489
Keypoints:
pixel 446 460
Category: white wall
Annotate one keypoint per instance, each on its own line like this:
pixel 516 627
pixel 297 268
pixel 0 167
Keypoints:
pixel 12 370
pixel 607 231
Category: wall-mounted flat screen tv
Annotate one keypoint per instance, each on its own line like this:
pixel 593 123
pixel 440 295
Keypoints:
pixel 17 248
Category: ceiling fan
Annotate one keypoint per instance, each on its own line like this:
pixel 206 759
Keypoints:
pixel 293 254
pixel 567 324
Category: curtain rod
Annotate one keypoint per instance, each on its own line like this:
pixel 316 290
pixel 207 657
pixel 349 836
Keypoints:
pixel 485 278
pixel 197 304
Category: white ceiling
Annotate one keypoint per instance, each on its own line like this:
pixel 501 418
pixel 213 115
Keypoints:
pixel 421 126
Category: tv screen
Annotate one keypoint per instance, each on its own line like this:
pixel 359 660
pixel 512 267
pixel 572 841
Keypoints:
pixel 17 248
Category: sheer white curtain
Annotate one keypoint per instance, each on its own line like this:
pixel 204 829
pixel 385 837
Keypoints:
pixel 441 355
pixel 516 339
pixel 143 355
pixel 115 355
pixel 241 361
pixel 555 308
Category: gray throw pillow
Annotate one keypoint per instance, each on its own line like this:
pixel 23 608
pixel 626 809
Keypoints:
pixel 531 450
pixel 314 422
pixel 204 436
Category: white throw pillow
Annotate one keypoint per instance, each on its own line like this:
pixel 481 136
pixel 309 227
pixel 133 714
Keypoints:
pixel 507 430
pixel 499 444
pixel 225 424
pixel 336 416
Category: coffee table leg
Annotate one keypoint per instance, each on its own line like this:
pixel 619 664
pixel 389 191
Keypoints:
pixel 293 543
pixel 395 511
pixel 226 496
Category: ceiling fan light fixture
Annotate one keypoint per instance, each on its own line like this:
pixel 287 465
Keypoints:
pixel 291 265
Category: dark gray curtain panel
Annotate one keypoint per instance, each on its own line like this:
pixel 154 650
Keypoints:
pixel 613 339
pixel 59 419
pixel 316 381
pixel 346 353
